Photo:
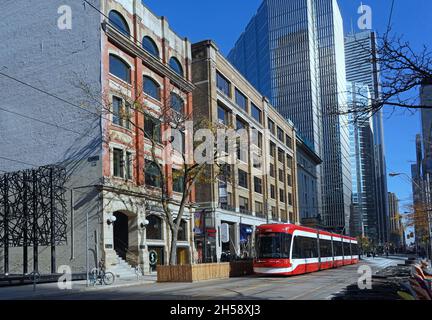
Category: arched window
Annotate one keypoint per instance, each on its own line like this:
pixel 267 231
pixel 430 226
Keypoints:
pixel 150 46
pixel 151 87
pixel 176 66
pixel 177 102
pixel 119 68
pixel 182 231
pixel 117 20
pixel 154 228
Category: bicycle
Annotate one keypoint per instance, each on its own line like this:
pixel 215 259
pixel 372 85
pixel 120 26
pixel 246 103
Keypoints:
pixel 100 276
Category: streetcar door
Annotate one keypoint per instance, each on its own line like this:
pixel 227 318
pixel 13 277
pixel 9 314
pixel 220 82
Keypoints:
pixel 319 251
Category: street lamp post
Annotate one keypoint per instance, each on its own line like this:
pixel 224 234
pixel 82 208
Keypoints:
pixel 396 174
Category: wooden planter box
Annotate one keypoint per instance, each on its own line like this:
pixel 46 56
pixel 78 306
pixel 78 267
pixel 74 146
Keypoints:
pixel 200 272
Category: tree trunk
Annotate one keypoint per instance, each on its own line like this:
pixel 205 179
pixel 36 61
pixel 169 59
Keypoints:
pixel 173 253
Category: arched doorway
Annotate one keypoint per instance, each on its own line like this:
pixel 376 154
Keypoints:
pixel 121 234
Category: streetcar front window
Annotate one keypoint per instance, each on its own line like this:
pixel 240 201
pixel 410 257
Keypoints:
pixel 273 245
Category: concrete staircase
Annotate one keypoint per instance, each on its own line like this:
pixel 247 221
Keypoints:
pixel 123 270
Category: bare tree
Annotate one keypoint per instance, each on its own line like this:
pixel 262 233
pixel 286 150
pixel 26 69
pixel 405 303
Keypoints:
pixel 402 70
pixel 171 141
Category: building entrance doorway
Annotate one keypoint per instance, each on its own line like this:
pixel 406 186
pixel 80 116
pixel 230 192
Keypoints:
pixel 121 234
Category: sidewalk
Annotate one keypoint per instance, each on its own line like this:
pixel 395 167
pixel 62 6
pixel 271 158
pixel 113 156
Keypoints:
pixel 49 289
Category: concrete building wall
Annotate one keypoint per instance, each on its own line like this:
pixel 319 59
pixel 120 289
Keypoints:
pixel 37 129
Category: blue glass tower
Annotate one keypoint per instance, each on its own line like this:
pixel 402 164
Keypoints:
pixel 293 52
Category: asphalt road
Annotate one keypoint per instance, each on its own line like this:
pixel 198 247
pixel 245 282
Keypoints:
pixel 315 286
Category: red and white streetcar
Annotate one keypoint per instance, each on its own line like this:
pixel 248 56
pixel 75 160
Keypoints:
pixel 287 249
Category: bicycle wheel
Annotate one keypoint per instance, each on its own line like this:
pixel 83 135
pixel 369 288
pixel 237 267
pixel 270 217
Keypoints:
pixel 108 278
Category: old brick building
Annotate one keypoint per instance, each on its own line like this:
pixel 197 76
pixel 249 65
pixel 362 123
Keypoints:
pixel 82 115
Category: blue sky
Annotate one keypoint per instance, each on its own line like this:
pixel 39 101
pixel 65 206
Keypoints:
pixel 224 20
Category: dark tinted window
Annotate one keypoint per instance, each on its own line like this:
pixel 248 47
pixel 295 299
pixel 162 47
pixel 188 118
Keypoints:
pixel 177 102
pixel 152 128
pixel 151 87
pixel 223 84
pixel 240 99
pixel 305 248
pixel 346 248
pixel 273 245
pixel 152 174
pixel 325 248
pixel 154 228
pixel 117 20
pixel 355 250
pixel 258 185
pixel 243 179
pixel 256 112
pixel 178 178
pixel 150 46
pixel 119 68
pixel 176 66
pixel 337 248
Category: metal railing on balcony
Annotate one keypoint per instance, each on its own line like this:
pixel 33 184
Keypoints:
pixel 227 207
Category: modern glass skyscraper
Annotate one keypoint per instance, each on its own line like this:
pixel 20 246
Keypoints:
pixel 363 215
pixel 362 68
pixel 293 52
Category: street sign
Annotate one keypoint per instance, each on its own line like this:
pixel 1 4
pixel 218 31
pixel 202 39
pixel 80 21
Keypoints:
pixel 225 232
pixel 153 257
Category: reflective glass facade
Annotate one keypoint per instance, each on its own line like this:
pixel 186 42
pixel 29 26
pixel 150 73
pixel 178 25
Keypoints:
pixel 293 52
pixel 363 215
pixel 360 51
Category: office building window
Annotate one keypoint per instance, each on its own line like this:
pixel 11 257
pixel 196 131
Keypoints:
pixel 272 149
pixel 288 141
pixel 280 134
pixel 177 103
pixel 152 128
pixel 243 178
pixel 258 185
pixel 129 164
pixel 274 213
pixel 151 87
pixel 121 113
pixel 240 99
pixel 282 195
pixel 119 68
pixel 281 175
pixel 272 170
pixel 152 174
pixel 281 155
pixel 259 208
pixel 271 125
pixel 118 163
pixel 223 84
pixel 289 180
pixel 256 113
pixel 289 161
pixel 243 204
pixel 272 191
pixel 178 179
pixel 223 115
